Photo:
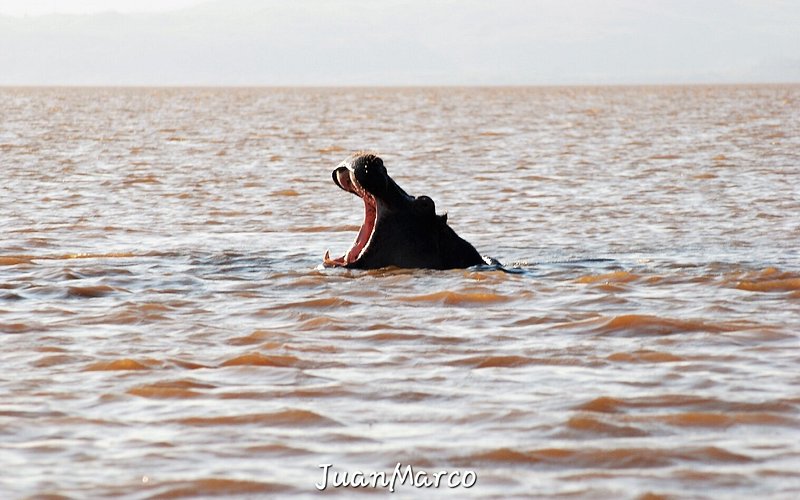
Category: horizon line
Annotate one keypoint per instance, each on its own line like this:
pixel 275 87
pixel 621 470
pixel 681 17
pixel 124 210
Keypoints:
pixel 392 86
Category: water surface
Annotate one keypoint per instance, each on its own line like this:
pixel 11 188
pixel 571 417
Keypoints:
pixel 167 330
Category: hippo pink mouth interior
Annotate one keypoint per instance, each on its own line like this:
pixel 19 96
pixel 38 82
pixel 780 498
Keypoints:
pixel 347 181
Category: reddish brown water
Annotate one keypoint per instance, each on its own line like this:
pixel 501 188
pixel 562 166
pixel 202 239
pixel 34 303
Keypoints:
pixel 167 332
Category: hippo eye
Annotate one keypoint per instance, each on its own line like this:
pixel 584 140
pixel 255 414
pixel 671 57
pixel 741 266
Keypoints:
pixel 424 205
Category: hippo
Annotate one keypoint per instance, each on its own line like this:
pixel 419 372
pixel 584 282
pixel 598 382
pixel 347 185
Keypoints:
pixel 399 229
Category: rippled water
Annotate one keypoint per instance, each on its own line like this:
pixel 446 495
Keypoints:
pixel 167 330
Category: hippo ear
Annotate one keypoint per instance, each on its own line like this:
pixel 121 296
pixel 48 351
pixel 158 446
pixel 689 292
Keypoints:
pixel 424 205
pixel 443 218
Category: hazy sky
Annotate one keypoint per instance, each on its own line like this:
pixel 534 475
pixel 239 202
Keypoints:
pixel 397 42
pixel 41 7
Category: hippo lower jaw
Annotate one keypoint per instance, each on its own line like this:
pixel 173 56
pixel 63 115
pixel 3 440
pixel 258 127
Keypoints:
pixel 346 179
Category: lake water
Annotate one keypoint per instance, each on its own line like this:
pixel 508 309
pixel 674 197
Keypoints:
pixel 167 330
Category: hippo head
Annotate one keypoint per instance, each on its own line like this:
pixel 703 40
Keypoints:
pixel 399 229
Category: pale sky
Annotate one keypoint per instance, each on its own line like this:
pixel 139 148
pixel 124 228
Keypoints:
pixel 397 42
pixel 41 7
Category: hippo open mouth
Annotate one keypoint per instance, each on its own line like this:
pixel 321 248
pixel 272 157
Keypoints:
pixel 398 229
pixel 346 179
